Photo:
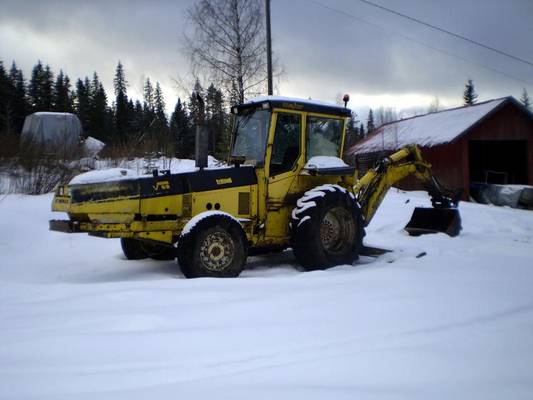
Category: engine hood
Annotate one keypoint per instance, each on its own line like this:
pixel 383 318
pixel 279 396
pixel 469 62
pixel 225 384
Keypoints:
pixel 164 185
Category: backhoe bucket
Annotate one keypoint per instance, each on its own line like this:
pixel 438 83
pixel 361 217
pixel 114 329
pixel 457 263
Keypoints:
pixel 434 220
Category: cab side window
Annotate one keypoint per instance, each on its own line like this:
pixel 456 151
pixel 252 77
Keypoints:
pixel 286 146
pixel 323 137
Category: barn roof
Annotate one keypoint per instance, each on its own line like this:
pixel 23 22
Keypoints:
pixel 430 129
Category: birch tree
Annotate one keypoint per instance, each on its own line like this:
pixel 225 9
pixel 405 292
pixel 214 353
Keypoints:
pixel 227 42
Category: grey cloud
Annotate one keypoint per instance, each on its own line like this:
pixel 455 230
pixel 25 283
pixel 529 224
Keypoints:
pixel 323 52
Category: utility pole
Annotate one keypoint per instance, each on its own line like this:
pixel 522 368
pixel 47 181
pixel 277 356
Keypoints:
pixel 269 47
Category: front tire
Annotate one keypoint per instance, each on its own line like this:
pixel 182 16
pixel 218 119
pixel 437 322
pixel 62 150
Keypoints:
pixel 132 249
pixel 159 252
pixel 327 228
pixel 214 247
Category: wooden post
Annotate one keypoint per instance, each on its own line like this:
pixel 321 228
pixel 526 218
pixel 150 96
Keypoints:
pixel 269 47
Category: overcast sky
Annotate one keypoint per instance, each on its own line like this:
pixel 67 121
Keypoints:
pixel 324 53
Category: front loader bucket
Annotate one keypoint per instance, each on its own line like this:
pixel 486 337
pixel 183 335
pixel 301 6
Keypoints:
pixel 434 220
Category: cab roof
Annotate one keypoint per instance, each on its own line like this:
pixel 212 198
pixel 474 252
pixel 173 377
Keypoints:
pixel 295 104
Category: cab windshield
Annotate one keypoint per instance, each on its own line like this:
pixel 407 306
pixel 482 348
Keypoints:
pixel 251 134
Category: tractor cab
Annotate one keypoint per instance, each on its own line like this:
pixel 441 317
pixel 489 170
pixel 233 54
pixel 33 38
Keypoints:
pixel 283 138
pixel 282 134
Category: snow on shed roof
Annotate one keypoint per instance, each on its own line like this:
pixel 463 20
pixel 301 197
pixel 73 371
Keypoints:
pixel 427 130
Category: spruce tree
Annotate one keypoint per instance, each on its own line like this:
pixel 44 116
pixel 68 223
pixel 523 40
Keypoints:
pixel 121 104
pixel 98 110
pixel 216 122
pixel 148 106
pixel 370 122
pixel 362 132
pixel 61 99
pixel 68 99
pixel 35 87
pixel 149 95
pixel 131 119
pixel 352 132
pixel 159 105
pixel 6 102
pixel 181 131
pixel 525 100
pixel 469 94
pixel 160 125
pixel 83 105
pixel 40 88
pixel 20 101
pixel 47 88
pixel 137 120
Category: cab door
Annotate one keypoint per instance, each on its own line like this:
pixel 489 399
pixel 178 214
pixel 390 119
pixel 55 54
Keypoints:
pixel 284 154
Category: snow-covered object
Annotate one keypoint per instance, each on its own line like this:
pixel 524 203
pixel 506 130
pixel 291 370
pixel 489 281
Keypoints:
pixel 325 162
pixel 105 175
pixel 501 195
pixel 52 129
pixel 199 217
pixel 92 146
pixel 426 130
pixel 260 99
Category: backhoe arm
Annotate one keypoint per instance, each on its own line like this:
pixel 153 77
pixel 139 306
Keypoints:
pixel 373 186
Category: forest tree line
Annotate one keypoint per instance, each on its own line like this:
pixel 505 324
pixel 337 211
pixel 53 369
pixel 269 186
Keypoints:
pixel 137 127
pixel 132 126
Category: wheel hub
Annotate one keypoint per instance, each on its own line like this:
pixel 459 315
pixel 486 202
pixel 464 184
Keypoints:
pixel 337 230
pixel 217 251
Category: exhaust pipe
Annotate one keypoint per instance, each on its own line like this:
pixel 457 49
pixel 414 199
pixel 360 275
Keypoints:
pixel 200 147
pixel 202 139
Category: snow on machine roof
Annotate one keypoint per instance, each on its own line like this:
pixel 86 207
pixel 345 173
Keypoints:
pixel 307 105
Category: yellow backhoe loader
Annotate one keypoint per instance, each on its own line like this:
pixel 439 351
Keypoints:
pixel 285 186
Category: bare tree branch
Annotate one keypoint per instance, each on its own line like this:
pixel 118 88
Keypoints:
pixel 227 43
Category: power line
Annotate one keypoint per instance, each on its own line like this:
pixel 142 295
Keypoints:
pixel 485 46
pixel 390 32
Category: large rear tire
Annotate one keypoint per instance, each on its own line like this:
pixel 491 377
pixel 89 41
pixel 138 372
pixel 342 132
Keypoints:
pixel 214 247
pixel 326 228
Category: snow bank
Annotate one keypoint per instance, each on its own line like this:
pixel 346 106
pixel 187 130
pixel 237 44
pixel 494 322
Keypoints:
pixel 78 321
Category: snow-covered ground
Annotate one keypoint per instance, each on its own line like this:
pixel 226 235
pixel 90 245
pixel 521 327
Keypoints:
pixel 78 321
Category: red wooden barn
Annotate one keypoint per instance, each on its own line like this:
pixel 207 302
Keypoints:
pixel 489 142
